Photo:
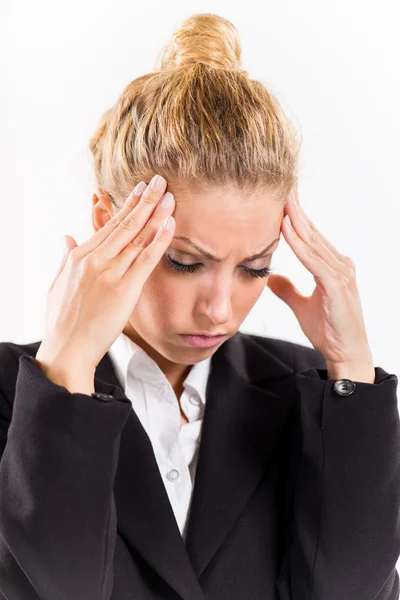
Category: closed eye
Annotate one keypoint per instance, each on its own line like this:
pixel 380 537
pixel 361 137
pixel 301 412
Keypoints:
pixel 177 266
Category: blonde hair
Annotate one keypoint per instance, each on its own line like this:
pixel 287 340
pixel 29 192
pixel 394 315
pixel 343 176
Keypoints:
pixel 198 120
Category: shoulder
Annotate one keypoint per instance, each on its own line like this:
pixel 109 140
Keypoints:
pixel 296 356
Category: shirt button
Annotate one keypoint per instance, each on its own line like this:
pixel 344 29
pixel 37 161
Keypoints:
pixel 173 475
pixel 194 400
pixel 344 387
pixel 103 397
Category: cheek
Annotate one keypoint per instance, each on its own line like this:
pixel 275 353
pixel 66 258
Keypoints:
pixel 166 293
pixel 248 294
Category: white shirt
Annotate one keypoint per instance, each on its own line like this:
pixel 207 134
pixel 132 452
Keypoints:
pixel 156 405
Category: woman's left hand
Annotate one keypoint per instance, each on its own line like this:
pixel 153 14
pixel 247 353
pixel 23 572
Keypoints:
pixel 331 317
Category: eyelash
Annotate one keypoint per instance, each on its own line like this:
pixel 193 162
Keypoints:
pixel 177 266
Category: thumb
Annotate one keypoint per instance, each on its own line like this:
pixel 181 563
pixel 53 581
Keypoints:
pixel 286 291
pixel 68 244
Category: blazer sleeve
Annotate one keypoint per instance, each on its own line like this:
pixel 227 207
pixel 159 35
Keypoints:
pixel 343 492
pixel 59 454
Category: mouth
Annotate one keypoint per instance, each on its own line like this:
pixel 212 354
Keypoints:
pixel 218 333
pixel 202 341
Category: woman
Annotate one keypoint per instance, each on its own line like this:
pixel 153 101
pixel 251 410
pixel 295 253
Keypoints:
pixel 141 460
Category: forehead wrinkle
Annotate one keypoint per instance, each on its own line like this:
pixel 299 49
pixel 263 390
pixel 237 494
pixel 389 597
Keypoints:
pixel 216 258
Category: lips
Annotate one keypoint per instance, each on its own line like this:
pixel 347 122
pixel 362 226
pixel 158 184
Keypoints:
pixel 202 341
pixel 205 334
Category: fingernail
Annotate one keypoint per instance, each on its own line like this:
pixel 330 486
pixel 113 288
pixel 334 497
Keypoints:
pixel 166 200
pixel 156 182
pixel 139 188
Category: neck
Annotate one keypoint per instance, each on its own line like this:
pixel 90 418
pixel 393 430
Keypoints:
pixel 174 372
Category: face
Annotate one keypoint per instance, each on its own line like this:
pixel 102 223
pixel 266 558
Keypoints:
pixel 204 295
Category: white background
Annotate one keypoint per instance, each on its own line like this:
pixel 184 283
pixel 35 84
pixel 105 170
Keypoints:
pixel 333 66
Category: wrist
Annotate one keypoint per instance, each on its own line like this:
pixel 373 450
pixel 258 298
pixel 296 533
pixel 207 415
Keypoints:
pixel 75 378
pixel 361 372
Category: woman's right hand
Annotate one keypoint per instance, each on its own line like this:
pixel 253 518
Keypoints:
pixel 99 283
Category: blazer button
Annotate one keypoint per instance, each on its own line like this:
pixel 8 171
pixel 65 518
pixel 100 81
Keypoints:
pixel 103 397
pixel 344 387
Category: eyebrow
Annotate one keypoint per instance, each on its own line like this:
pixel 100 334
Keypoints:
pixel 216 258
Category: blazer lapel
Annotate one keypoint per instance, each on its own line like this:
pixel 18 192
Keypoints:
pixel 145 518
pixel 241 427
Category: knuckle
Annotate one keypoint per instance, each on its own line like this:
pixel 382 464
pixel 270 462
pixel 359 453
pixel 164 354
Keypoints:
pixel 111 223
pixel 314 237
pixel 108 277
pixel 131 202
pixel 312 226
pixel 146 257
pixel 138 242
pixel 351 271
pixel 312 253
pixel 129 222
pixel 349 262
pixel 341 279
pixel 90 263
pixel 74 256
pixel 150 197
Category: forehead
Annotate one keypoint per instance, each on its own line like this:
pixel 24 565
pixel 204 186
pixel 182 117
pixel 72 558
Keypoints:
pixel 222 219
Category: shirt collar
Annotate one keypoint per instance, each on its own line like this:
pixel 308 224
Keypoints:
pixel 126 356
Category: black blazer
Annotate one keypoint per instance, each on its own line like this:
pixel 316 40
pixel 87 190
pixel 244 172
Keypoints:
pixel 296 497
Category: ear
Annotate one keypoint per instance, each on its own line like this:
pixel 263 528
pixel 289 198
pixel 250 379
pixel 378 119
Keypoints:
pixel 102 209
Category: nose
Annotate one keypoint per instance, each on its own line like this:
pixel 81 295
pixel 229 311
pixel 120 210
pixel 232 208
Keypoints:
pixel 216 303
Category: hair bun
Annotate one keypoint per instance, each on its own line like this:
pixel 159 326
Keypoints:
pixel 203 38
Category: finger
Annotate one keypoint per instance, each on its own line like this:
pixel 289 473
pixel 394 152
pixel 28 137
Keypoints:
pixel 295 208
pixel 305 253
pixel 148 259
pixel 309 234
pixel 113 224
pixel 282 287
pixel 135 220
pixel 121 263
pixel 102 234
